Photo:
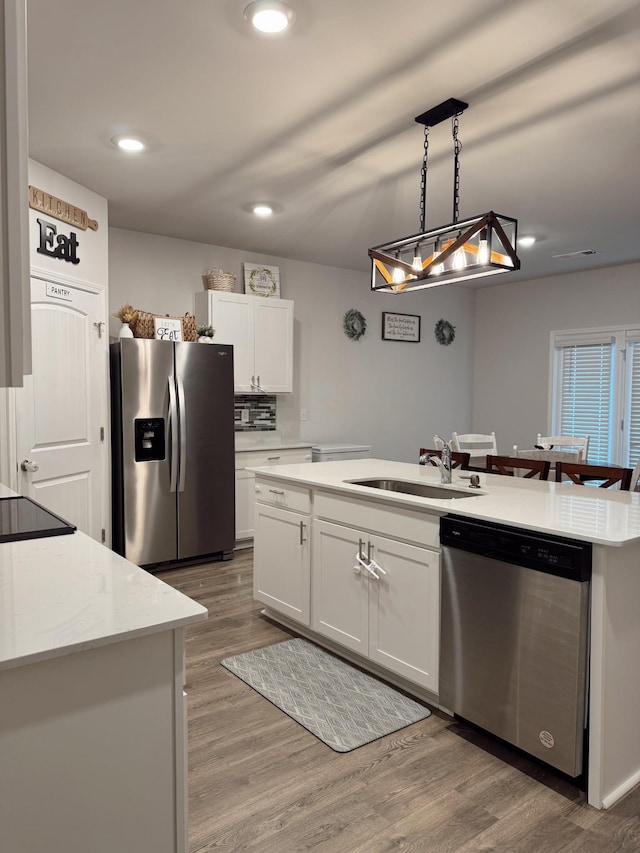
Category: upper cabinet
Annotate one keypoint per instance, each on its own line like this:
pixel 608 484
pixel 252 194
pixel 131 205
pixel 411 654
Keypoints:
pixel 15 317
pixel 261 332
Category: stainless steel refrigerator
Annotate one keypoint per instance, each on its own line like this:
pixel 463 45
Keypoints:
pixel 172 451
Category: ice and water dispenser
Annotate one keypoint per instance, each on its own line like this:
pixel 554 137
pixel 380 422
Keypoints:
pixel 149 439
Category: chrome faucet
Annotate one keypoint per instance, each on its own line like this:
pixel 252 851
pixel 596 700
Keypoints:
pixel 443 462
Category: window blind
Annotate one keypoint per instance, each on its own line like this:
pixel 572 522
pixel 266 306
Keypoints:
pixel 633 417
pixel 585 396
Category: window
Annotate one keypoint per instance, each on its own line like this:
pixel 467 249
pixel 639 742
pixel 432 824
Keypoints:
pixel 596 391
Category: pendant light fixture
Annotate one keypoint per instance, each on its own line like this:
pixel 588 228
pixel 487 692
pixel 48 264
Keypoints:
pixel 466 249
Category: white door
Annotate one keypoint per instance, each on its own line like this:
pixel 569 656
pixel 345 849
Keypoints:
pixel 282 566
pixel 340 594
pixel 404 615
pixel 274 344
pixel 61 411
pixel 232 319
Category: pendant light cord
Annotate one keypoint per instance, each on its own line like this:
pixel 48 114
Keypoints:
pixel 423 181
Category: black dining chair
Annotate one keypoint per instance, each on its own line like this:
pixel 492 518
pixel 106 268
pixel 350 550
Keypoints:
pixel 581 474
pixel 518 466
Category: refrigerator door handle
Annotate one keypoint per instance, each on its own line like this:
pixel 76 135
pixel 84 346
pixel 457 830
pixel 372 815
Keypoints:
pixel 173 426
pixel 183 435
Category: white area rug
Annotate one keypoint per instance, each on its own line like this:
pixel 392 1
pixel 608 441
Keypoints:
pixel 342 706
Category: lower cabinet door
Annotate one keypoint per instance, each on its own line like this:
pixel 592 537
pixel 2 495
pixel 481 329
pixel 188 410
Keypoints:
pixel 404 611
pixel 340 592
pixel 281 569
pixel 245 503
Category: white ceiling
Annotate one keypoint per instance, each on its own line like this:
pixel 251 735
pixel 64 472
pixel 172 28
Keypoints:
pixel 321 122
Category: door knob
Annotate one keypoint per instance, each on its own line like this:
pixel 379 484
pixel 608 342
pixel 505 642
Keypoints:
pixel 29 466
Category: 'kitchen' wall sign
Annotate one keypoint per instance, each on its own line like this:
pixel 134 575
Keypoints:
pixel 57 208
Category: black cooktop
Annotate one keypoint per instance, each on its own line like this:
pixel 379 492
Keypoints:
pixel 22 518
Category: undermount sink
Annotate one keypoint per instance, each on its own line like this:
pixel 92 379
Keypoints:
pixel 423 490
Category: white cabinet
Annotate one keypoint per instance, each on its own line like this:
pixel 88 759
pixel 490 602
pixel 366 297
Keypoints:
pixel 261 333
pixel 393 619
pixel 383 607
pixel 15 316
pixel 245 504
pixel 94 744
pixel 245 484
pixel 281 566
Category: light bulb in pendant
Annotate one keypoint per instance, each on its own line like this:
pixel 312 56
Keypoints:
pixel 483 248
pixel 398 275
pixel 436 254
pixel 459 260
pixel 417 260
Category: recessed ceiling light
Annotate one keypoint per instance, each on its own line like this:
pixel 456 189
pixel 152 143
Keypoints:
pixel 578 253
pixel 128 143
pixel 525 242
pixel 269 16
pixel 262 210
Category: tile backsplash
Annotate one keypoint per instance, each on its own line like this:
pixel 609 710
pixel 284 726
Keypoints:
pixel 255 413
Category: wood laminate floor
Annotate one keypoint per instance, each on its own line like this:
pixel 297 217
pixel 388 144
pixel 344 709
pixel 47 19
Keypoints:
pixel 259 781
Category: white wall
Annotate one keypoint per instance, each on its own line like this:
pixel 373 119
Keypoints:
pixel 92 245
pixel 513 323
pixel 391 395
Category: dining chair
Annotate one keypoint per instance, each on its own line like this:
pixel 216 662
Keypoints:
pixel 458 460
pixel 474 443
pixel 581 474
pixel 516 466
pixel 635 477
pixel 477 445
pixel 580 443
pixel 438 442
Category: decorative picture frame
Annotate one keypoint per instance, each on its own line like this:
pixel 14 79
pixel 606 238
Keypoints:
pixel 262 280
pixel 167 328
pixel 401 327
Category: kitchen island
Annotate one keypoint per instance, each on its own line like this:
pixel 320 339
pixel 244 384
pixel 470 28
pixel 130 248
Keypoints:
pixel 311 519
pixel 92 708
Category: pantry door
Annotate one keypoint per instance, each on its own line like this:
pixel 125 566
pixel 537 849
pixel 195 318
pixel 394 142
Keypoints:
pixel 61 411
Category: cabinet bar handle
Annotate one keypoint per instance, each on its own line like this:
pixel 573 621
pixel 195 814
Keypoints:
pixel 369 551
pixel 360 547
pixel 302 536
pixel 273 458
pixel 276 491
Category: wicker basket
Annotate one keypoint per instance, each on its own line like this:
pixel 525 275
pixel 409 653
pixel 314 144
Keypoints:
pixel 144 326
pixel 218 280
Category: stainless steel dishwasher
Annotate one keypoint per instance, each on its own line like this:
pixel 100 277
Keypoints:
pixel 515 622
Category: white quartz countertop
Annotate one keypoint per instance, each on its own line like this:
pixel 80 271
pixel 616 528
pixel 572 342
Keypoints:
pixel 601 516
pixel 63 594
pixel 252 443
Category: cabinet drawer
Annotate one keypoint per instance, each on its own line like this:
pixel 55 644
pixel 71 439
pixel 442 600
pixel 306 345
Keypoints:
pixel 260 458
pixel 276 493
pixel 397 522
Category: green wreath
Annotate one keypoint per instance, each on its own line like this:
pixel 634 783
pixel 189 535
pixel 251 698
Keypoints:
pixel 444 332
pixel 354 324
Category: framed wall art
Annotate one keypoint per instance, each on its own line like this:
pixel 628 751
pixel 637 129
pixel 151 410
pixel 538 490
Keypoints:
pixel 401 327
pixel 261 280
pixel 167 328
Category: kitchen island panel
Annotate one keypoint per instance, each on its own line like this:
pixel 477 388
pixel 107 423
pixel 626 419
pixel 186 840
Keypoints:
pixel 89 747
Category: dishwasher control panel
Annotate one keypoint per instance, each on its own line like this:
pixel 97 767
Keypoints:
pixel 553 554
